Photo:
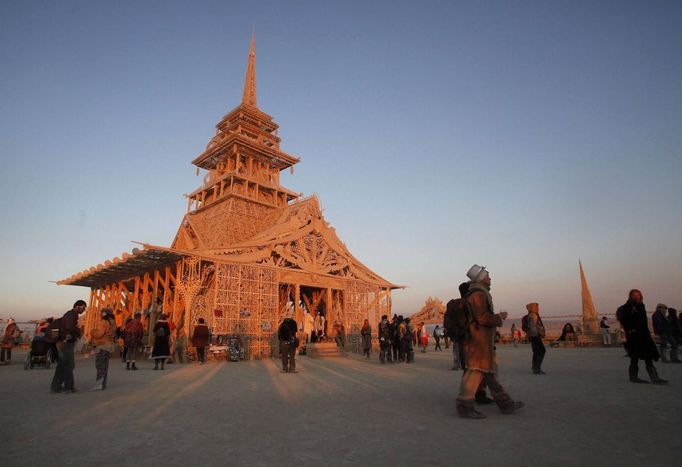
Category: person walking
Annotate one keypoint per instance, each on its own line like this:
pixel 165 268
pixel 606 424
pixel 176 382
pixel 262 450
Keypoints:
pixel 480 353
pixel 384 336
pixel 423 337
pixel 200 339
pixel 536 332
pixel 663 330
pixel 675 326
pixel 132 337
pixel 162 336
pixel 340 332
pixel 9 337
pixel 437 334
pixel 409 340
pixel 286 334
pixel 514 337
pixel 103 339
pixel 69 333
pixel 366 334
pixel 638 341
pixel 395 338
pixel 605 333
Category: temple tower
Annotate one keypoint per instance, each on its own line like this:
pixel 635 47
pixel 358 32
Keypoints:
pixel 243 163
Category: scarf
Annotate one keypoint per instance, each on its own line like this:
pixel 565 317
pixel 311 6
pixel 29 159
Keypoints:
pixel 478 287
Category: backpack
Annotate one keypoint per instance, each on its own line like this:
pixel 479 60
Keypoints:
pixel 525 323
pixel 457 319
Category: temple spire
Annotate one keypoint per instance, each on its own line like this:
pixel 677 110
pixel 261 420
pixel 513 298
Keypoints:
pixel 249 97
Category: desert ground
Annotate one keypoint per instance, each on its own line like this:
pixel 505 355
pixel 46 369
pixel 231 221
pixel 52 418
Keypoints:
pixel 343 411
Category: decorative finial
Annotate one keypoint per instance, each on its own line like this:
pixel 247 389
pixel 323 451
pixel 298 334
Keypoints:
pixel 249 97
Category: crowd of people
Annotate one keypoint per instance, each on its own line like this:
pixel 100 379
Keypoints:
pixel 470 327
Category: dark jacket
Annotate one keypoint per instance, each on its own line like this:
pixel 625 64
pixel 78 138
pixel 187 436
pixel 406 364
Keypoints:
pixel 661 324
pixel 287 330
pixel 638 341
pixel 161 340
pixel 200 335
pixel 68 330
pixel 384 331
pixel 675 328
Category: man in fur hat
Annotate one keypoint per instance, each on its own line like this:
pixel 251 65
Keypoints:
pixel 480 354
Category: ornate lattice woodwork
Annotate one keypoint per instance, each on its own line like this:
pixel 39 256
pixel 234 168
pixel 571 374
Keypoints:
pixel 247 304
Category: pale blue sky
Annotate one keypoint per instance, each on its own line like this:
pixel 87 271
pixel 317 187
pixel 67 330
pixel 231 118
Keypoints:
pixel 520 135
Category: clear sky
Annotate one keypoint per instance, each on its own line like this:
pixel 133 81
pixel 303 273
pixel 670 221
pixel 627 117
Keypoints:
pixel 516 134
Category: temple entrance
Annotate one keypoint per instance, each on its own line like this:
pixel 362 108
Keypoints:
pixel 315 309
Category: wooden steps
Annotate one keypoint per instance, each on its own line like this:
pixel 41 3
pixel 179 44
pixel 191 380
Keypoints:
pixel 324 350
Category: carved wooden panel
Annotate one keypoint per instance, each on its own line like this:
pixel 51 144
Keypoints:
pixel 246 303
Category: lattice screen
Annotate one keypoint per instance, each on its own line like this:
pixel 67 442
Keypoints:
pixel 246 303
pixel 361 303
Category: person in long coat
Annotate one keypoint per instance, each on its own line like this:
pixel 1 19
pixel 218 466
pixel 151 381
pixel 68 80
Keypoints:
pixel 638 341
pixel 200 338
pixel 479 349
pixel 162 335
pixel 132 336
pixel 366 333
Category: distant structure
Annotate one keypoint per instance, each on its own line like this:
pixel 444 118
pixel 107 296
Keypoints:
pixel 431 313
pixel 248 252
pixel 590 320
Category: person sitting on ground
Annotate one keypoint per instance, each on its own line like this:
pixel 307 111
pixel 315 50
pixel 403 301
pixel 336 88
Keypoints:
pixel 567 333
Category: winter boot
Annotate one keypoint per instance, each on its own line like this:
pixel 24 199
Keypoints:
pixel 163 362
pixel 482 398
pixel 156 364
pixel 653 376
pixel 510 406
pixel 127 365
pixel 465 409
pixel 134 367
pixel 633 370
pixel 99 385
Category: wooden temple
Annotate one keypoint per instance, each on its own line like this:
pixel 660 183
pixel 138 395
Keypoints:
pixel 248 253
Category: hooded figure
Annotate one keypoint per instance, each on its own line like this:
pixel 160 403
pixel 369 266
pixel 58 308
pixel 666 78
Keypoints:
pixel 638 341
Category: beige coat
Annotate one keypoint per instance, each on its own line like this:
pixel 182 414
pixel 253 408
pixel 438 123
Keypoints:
pixel 104 335
pixel 479 353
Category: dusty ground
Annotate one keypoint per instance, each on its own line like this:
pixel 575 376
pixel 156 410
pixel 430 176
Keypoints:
pixel 342 412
